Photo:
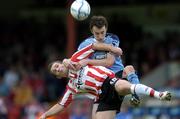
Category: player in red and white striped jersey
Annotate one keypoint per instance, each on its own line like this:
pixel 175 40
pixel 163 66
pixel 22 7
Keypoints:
pixel 88 81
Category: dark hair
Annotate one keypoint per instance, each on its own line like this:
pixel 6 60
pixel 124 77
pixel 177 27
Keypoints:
pixel 50 65
pixel 98 21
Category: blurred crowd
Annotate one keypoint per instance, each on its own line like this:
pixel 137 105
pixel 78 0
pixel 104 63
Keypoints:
pixel 27 46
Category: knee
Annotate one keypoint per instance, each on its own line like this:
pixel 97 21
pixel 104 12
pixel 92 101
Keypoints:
pixel 129 69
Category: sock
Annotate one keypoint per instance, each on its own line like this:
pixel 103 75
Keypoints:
pixel 133 78
pixel 140 89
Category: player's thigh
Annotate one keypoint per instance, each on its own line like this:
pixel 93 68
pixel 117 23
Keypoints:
pixel 94 109
pixel 106 114
pixel 123 87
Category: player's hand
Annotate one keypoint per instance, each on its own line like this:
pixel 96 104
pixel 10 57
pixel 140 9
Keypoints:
pixel 69 64
pixel 135 101
pixel 116 50
pixel 80 64
pixel 43 116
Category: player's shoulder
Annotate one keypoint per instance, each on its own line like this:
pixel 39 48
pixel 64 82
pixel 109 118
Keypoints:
pixel 89 39
pixel 112 36
pixel 86 42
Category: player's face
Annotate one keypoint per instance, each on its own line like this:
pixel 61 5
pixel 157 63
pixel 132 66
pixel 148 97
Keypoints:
pixel 59 70
pixel 99 33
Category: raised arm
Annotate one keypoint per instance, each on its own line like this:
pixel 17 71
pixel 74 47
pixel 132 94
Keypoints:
pixel 59 107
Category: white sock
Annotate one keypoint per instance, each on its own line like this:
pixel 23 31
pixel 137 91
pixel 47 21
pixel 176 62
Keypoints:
pixel 140 89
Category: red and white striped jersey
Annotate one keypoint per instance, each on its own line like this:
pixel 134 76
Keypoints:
pixel 87 81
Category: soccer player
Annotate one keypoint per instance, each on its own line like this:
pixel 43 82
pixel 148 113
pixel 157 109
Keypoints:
pixel 89 79
pixel 98 26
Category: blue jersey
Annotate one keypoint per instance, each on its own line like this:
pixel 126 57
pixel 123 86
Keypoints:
pixel 109 39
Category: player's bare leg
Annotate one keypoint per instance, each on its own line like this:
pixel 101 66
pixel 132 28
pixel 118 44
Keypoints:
pixel 95 106
pixel 106 114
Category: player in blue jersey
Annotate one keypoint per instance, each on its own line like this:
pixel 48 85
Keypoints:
pixel 98 27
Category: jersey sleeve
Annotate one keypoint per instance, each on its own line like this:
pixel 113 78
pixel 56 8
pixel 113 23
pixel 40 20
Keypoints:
pixel 67 98
pixel 115 41
pixel 82 53
pixel 84 44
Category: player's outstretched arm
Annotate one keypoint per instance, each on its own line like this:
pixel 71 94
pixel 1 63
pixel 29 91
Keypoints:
pixel 52 111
